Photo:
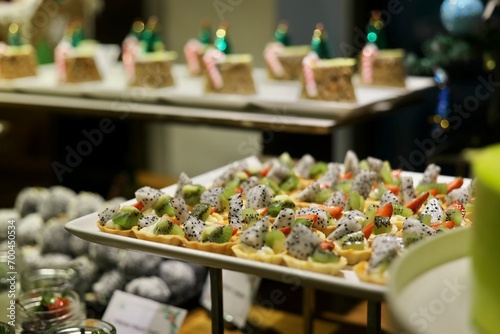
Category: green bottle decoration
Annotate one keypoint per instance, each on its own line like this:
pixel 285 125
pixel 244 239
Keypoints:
pixel 14 37
pixel 150 37
pixel 319 43
pixel 281 34
pixel 205 35
pixel 221 40
pixel 375 30
pixel 77 33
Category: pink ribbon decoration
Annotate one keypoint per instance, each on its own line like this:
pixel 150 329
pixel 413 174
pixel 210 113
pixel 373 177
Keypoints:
pixel 271 52
pixel 191 51
pixel 211 58
pixel 131 49
pixel 368 55
pixel 61 52
pixel 307 63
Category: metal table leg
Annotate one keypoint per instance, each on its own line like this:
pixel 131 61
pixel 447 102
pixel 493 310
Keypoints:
pixel 373 324
pixel 308 309
pixel 216 295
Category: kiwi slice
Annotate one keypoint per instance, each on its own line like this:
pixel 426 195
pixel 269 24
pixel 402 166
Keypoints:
pixel 166 227
pixel 382 225
pixel 163 206
pixel 442 188
pixel 318 169
pixel 303 221
pixel 127 217
pixel 344 186
pixel 217 234
pixel 354 241
pixel 454 215
pixel 291 182
pixel 398 209
pixel 411 238
pixel 271 184
pixel 355 201
pixel 370 214
pixel 275 239
pixel 423 217
pixel 250 216
pixel 322 195
pixel 324 256
pixel 279 203
pixel 230 188
pixel 192 193
pixel 201 211
pixel 286 159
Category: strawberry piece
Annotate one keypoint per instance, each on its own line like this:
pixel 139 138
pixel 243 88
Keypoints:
pixel 324 186
pixel 238 190
pixel 286 230
pixel 385 211
pixel 368 229
pixel 455 184
pixel 417 202
pixel 138 205
pixel 235 230
pixel 449 224
pixel 392 187
pixel 457 205
pixel 334 211
pixel 311 217
pixel 346 176
pixel 265 171
pixel 327 245
pixel 262 211
pixel 396 173
pixel 434 192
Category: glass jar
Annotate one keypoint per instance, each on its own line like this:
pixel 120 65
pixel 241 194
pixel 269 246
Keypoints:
pixel 37 278
pixel 33 317
pixel 87 326
pixel 6 328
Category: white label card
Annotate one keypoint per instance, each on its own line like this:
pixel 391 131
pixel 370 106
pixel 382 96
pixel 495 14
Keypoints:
pixel 131 314
pixel 238 293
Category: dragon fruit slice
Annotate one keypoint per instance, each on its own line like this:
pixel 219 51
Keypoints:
pixel 433 208
pixel 384 249
pixel 181 182
pixel 249 184
pixel 351 163
pixel 331 177
pixel 254 235
pixel 388 197
pixel 338 198
pixel 431 174
pixel 407 189
pixel 301 242
pixel 213 197
pixel 108 213
pixel 147 220
pixel 414 230
pixel 374 164
pixel 278 171
pixel 180 209
pixel 259 197
pixel 284 219
pixel 308 194
pixel 229 173
pixel 461 195
pixel 303 166
pixel 147 196
pixel 347 224
pixel 363 182
pixel 322 221
pixel 193 227
pixel 235 211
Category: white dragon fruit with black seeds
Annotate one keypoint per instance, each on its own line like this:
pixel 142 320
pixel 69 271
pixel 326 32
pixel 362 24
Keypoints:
pixel 346 225
pixel 285 218
pixel 212 196
pixel 147 196
pixel 363 182
pixel 303 166
pixel 278 171
pixel 322 220
pixel 354 214
pixel 388 197
pixel 407 189
pixel 235 211
pixel 331 177
pixel 108 213
pixel 259 197
pixel 228 174
pixel 301 242
pixel 430 174
pixel 180 209
pixel 254 235
pixel 433 208
pixel 461 195
pixel 338 198
pixel 147 220
pixel 183 180
pixel 308 194
pixel 385 248
pixel 415 230
pixel 374 164
pixel 249 184
pixel 351 163
pixel 193 227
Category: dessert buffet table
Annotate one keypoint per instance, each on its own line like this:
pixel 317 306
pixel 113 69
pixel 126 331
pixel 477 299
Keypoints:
pixel 276 103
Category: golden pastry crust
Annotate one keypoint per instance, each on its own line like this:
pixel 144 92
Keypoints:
pixel 250 253
pixel 173 240
pixel 322 268
pixel 354 256
pixel 224 248
pixel 124 233
pixel 361 270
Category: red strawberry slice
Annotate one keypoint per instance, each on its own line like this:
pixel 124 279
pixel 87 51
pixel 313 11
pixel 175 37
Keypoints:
pixel 385 211
pixel 392 187
pixel 457 205
pixel 286 230
pixel 368 229
pixel 138 205
pixel 327 245
pixel 417 202
pixel 333 210
pixel 455 184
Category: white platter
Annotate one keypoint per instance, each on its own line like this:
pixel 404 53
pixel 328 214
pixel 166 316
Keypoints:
pixel 346 283
pixel 433 296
